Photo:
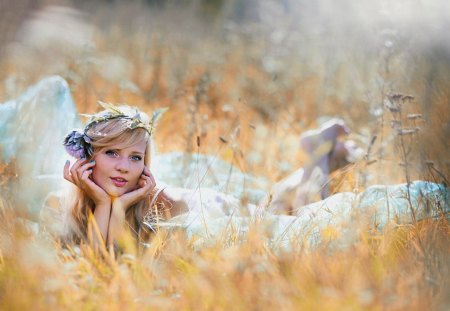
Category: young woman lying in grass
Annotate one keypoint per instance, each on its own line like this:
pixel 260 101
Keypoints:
pixel 114 184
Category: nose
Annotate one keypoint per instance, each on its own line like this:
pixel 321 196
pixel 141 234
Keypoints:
pixel 122 165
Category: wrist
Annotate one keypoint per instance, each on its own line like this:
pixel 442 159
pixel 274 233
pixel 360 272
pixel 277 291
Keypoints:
pixel 120 203
pixel 103 205
pixel 104 202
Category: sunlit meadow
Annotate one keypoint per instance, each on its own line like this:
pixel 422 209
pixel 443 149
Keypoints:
pixel 242 80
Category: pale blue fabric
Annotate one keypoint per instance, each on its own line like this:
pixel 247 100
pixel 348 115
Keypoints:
pixel 32 128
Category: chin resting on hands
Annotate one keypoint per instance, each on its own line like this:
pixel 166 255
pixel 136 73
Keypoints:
pixel 146 186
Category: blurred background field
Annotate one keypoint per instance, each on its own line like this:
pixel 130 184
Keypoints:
pixel 247 77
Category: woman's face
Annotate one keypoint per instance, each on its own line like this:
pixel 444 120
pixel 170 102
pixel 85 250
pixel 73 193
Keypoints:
pixel 117 171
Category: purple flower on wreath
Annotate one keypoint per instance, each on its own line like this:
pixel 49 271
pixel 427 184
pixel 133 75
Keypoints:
pixel 78 145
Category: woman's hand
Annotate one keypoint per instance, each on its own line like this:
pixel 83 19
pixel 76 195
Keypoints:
pixel 79 175
pixel 145 187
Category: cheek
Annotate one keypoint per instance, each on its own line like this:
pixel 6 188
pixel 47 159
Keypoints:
pixel 138 170
pixel 94 175
pixel 101 168
pixel 97 176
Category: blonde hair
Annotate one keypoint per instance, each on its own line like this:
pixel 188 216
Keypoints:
pixel 111 133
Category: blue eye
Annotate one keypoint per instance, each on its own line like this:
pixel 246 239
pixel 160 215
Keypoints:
pixel 111 153
pixel 136 158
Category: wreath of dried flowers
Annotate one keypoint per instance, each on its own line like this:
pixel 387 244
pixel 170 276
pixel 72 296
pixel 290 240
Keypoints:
pixel 78 144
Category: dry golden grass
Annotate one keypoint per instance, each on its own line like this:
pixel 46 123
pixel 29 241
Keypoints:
pixel 403 268
pixel 250 117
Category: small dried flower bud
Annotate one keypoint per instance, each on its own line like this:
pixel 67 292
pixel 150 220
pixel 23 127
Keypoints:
pixel 394 109
pixel 414 116
pixel 403 132
pixel 395 96
pixel 407 97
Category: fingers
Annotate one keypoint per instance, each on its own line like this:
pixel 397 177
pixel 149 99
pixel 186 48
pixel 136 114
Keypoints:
pixel 149 182
pixel 146 171
pixel 79 172
pixel 152 180
pixel 73 171
pixel 147 178
pixel 85 175
pixel 87 182
pixel 67 175
pixel 147 185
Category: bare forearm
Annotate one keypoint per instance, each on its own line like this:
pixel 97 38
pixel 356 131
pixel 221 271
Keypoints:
pixel 102 214
pixel 116 222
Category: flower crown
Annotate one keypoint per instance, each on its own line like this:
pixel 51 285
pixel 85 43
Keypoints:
pixel 78 143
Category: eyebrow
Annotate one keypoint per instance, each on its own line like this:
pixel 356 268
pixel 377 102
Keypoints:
pixel 137 153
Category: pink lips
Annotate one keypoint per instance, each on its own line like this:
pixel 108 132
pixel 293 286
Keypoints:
pixel 119 181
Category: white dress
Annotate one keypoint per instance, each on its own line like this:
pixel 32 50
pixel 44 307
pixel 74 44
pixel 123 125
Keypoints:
pixel 32 129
